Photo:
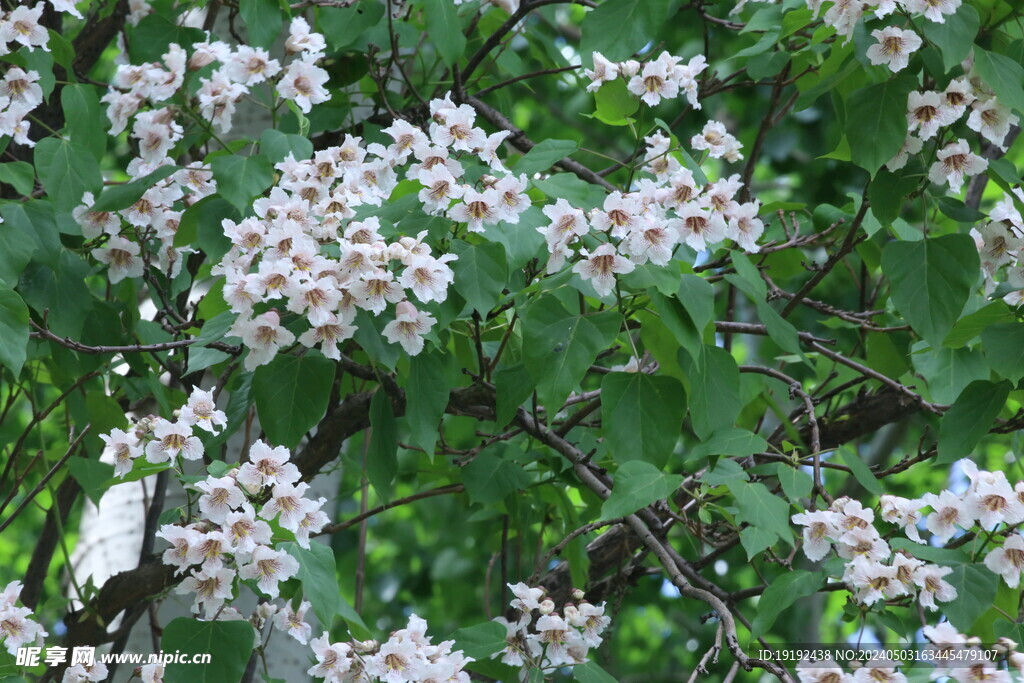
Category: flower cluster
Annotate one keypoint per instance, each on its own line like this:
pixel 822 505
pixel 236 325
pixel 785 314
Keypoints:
pixel 648 223
pixel 663 78
pixel 929 112
pixel 988 502
pixel 999 242
pixel 969 662
pixel 554 639
pixel 163 440
pixel 408 655
pixel 307 246
pixel 844 15
pixel 16 629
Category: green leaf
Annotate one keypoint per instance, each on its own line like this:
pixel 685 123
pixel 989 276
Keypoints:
pixel 481 641
pixel 489 478
pixel 239 178
pixel 615 104
pixel 60 290
pixel 724 472
pixel 291 395
pixel 444 30
pixel 202 226
pixel 949 371
pixel 861 472
pixel 262 20
pixel 1003 346
pixel 13 331
pixel 85 121
pixel 480 273
pixel 228 643
pixel 755 540
pixel 714 389
pixel 637 485
pixel 641 416
pixel 796 483
pixel 426 398
pixel 888 193
pixel 92 475
pixel 970 326
pixel 343 26
pixel 958 211
pixel 559 347
pixel 590 672
pixel 544 155
pixel 619 29
pixel 318 574
pixel 876 121
pixel 759 508
pixel 19 174
pixel 1004 75
pixel 67 171
pixel 969 418
pixel 975 588
pixel 382 456
pixel 945 556
pixel 117 197
pixel 955 36
pixel 931 280
pixel 275 146
pixel 149 39
pixel 729 441
pixel 781 594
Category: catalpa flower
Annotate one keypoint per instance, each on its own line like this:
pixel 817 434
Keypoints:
pixel 269 567
pixel 1008 561
pixel 267 467
pixel 122 257
pixel 293 622
pixel 211 589
pixel 927 112
pixel 992 120
pixel 202 412
pixel 125 448
pixel 601 266
pixel 220 496
pixel 602 72
pixel 172 439
pixel 955 163
pixel 408 327
pixel 893 48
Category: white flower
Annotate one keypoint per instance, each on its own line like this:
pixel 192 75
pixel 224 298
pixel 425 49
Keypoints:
pixel 286 502
pixel 95 223
pixel 602 72
pixel 269 567
pixel 67 6
pixel 125 448
pixel 911 145
pixel 243 531
pixel 333 660
pixel 267 467
pixel 699 227
pixel 209 549
pixel 955 163
pixel 992 120
pixel 312 521
pixel 893 48
pixel 933 586
pixel 263 336
pixel 927 112
pixel 819 528
pixel 122 257
pixel 82 672
pixel 153 673
pixel 654 82
pixel 408 327
pixel 567 223
pixel 993 502
pixel 719 143
pixel 600 267
pixel 331 331
pixel 293 621
pixel 745 228
pixel 304 82
pixel 477 209
pixel 22 26
pixel 172 439
pixel 527 598
pixel 211 588
pixel 202 412
pixel 872 581
pixel 948 513
pixel 302 39
pixel 933 9
pixel 1008 561
pixel 181 539
pixel 220 496
pixel 251 65
pixel 592 619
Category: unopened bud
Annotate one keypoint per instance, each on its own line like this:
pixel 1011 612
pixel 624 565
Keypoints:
pixel 547 607
pixel 199 59
pixel 578 594
pixel 365 646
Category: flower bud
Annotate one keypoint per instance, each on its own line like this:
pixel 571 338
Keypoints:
pixel 547 607
pixel 577 594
